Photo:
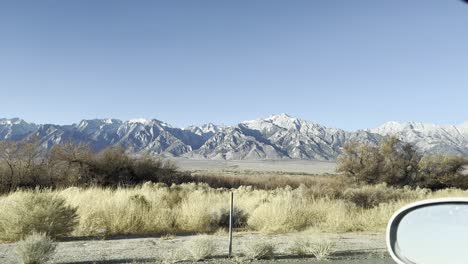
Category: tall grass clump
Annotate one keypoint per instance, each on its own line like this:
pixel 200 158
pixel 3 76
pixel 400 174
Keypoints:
pixel 197 211
pixel 145 209
pixel 322 250
pixel 286 212
pixel 36 248
pixel 23 213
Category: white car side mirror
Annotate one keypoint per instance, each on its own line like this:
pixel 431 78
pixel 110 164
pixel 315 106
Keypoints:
pixel 430 232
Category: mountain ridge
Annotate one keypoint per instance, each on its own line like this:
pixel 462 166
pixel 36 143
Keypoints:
pixel 275 137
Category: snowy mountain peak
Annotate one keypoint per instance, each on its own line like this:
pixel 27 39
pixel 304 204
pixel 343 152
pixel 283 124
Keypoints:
pixel 430 138
pixel 279 120
pixel 393 128
pixel 12 121
pixel 280 117
pixel 205 129
pixel 210 127
pixel 97 123
pixel 142 121
pixel 388 128
pixel 15 128
pixel 275 137
pixel 110 121
pixel 148 122
pixel 285 122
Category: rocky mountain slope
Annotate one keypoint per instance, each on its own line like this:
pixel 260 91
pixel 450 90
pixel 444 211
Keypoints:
pixel 429 138
pixel 275 137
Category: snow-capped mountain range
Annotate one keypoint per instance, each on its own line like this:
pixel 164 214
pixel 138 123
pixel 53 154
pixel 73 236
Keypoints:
pixel 275 137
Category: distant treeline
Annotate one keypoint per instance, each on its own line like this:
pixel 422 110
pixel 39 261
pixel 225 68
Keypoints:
pixel 25 164
pixel 399 164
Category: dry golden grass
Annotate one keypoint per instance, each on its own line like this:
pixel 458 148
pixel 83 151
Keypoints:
pixel 198 208
pixel 270 180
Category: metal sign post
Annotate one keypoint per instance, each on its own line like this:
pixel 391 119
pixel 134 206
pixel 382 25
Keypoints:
pixel 231 212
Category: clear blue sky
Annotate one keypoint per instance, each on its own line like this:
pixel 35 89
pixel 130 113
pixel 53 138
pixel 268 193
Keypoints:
pixel 341 63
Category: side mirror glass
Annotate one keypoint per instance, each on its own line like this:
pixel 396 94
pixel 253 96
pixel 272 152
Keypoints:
pixel 430 232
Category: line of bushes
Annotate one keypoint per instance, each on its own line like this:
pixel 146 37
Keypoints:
pixel 399 164
pixel 25 164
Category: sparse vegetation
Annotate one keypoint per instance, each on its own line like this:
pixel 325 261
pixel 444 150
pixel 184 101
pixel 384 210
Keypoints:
pixel 174 256
pixel 168 204
pixel 201 247
pixel 260 250
pixel 300 247
pixel 322 250
pixel 36 248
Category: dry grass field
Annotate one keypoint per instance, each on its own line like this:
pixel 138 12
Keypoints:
pixel 323 204
pixel 294 214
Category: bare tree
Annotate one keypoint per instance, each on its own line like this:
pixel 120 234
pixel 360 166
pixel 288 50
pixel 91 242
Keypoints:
pixel 9 156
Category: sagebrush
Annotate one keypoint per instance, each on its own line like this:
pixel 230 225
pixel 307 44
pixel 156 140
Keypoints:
pixel 23 213
pixel 260 250
pixel 201 247
pixel 36 248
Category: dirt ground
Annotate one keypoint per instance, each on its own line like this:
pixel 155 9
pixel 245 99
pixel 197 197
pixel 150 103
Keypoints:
pixel 171 249
pixel 291 166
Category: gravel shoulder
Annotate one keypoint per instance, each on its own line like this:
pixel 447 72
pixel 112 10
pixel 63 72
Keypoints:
pixel 357 248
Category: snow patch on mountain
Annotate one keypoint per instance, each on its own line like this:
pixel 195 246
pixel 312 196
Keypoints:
pixel 275 137
pixel 429 138
pixel 15 129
